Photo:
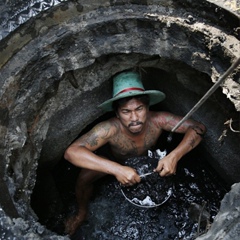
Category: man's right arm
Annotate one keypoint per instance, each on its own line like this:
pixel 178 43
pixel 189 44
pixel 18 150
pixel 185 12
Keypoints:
pixel 80 153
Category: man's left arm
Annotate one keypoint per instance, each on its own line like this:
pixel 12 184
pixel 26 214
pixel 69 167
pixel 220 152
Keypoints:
pixel 194 132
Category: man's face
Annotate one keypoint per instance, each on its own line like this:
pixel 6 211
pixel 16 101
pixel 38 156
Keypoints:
pixel 133 115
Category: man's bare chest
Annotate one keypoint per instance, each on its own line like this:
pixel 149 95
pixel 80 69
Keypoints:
pixel 125 146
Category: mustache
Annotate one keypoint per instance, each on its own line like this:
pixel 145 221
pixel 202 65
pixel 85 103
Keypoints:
pixel 135 123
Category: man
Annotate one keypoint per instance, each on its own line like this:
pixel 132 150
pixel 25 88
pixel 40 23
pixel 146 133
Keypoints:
pixel 132 132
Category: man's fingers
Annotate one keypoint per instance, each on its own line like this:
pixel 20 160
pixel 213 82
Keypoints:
pixel 131 181
pixel 163 172
pixel 166 172
pixel 159 167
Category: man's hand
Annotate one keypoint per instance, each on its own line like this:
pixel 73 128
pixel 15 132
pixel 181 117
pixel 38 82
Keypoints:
pixel 127 176
pixel 166 166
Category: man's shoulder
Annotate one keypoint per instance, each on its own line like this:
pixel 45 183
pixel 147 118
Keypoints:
pixel 160 117
pixel 159 113
pixel 105 129
pixel 110 124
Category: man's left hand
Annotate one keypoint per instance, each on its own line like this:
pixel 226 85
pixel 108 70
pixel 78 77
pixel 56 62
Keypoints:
pixel 166 166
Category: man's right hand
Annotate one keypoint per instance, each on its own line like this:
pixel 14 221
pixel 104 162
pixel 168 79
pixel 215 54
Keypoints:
pixel 127 176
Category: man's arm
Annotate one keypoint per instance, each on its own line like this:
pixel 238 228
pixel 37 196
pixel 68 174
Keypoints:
pixel 80 153
pixel 193 131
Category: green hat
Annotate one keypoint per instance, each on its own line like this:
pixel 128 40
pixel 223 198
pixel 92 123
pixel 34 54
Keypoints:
pixel 129 84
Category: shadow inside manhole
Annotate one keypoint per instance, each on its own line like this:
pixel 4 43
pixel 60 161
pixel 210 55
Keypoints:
pixel 111 216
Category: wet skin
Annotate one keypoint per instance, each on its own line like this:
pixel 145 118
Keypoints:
pixel 131 133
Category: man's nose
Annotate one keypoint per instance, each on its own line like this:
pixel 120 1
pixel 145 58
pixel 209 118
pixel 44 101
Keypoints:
pixel 134 116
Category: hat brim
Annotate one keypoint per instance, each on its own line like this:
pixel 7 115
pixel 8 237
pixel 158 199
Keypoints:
pixel 155 97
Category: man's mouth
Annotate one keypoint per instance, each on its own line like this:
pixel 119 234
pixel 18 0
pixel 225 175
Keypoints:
pixel 133 124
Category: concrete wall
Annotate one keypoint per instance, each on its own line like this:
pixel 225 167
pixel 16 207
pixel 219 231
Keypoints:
pixel 57 67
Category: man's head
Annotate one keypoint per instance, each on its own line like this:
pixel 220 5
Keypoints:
pixel 132 112
pixel 129 84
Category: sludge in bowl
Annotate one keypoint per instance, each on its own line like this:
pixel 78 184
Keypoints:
pixel 153 190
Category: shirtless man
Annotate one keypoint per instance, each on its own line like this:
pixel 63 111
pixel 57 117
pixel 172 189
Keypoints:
pixel 132 132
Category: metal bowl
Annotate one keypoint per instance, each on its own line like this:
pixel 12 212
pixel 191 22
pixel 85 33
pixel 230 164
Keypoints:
pixel 153 190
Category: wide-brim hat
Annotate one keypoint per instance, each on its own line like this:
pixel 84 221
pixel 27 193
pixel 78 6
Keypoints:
pixel 129 84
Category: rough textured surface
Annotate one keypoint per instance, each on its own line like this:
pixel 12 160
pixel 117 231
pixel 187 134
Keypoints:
pixel 57 68
pixel 18 228
pixel 227 223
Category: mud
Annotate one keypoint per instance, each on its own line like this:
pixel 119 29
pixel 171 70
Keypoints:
pixel 153 190
pixel 111 216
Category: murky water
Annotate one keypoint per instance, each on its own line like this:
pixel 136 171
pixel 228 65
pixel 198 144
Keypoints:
pixel 111 216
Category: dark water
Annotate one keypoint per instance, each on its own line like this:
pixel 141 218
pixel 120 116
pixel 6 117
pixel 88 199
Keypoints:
pixel 111 216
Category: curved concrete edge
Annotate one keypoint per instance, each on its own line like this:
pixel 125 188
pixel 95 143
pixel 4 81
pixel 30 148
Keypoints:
pixel 19 53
